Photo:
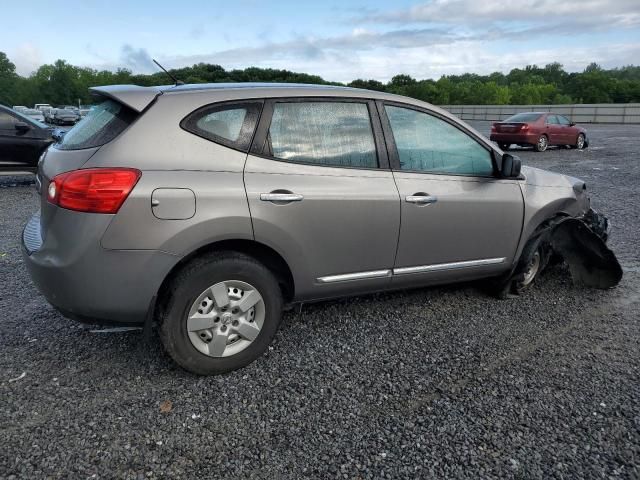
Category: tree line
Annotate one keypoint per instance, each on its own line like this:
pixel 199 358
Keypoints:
pixel 61 83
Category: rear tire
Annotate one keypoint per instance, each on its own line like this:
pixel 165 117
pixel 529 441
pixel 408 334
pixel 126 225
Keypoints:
pixel 542 143
pixel 243 331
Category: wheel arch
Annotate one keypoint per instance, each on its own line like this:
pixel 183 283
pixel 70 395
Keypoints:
pixel 259 251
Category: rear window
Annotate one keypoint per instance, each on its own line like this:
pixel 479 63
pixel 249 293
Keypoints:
pixel 524 117
pixel 101 125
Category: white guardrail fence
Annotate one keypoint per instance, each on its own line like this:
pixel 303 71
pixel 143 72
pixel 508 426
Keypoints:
pixel 580 113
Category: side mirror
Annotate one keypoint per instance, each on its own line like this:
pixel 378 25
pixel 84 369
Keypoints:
pixel 57 135
pixel 572 124
pixel 511 166
pixel 23 127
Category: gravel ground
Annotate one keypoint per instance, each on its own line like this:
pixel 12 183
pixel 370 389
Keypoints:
pixel 441 382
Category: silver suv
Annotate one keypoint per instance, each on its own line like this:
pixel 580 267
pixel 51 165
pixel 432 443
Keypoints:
pixel 208 208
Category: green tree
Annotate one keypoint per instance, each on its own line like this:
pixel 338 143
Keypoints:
pixel 61 83
pixel 8 80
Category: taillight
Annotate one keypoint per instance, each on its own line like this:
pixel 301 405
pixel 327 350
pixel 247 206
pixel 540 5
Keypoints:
pixel 524 127
pixel 94 190
pixel 493 127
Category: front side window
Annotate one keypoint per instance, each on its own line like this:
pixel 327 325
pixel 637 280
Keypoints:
pixel 325 133
pixel 428 144
pixel 563 120
pixel 228 124
pixel 102 124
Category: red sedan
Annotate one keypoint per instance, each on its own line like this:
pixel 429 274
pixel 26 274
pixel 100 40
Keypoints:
pixel 539 130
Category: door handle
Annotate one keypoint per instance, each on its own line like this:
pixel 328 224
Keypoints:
pixel 421 199
pixel 281 197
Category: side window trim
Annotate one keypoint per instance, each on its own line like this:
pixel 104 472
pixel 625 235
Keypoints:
pixel 259 146
pixel 394 156
pixel 254 106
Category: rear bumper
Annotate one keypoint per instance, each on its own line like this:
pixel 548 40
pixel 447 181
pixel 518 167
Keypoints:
pixel 519 138
pixel 86 282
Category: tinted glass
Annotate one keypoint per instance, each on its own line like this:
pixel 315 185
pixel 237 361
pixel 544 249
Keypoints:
pixel 524 117
pixel 428 144
pixel 562 120
pixel 552 120
pixel 229 124
pixel 7 122
pixel 326 133
pixel 224 123
pixel 103 123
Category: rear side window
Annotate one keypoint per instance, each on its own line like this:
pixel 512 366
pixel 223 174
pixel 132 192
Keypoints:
pixel 231 125
pixel 324 133
pixel 552 120
pixel 102 124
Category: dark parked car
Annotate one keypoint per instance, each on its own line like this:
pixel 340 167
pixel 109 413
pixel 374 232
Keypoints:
pixel 22 141
pixel 65 116
pixel 539 130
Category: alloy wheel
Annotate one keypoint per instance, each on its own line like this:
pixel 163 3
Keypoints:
pixel 542 143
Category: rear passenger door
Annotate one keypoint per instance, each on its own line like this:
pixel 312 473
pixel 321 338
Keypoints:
pixel 554 131
pixel 321 193
pixel 458 220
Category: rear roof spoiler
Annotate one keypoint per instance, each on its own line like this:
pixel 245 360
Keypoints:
pixel 133 96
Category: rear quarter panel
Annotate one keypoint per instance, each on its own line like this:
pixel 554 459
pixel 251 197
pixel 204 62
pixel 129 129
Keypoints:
pixel 170 157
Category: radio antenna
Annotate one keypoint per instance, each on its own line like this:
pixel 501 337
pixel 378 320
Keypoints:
pixel 175 80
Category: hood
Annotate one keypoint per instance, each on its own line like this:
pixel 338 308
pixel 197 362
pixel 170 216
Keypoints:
pixel 545 178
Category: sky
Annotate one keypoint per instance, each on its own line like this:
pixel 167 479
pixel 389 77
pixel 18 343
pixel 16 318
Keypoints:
pixel 338 40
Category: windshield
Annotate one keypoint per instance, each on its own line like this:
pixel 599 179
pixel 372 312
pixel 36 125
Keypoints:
pixel 102 124
pixel 524 117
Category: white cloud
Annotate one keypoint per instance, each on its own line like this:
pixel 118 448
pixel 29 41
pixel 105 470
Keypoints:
pixel 607 13
pixel 27 57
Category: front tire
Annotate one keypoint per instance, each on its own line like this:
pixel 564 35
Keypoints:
pixel 542 144
pixel 580 142
pixel 223 311
pixel 504 146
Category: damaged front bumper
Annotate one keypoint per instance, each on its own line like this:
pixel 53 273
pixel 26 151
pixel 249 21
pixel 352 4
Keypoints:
pixel 582 244
pixel 598 223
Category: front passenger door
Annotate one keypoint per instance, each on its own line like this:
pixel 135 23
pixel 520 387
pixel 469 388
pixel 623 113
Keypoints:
pixel 458 221
pixel 10 148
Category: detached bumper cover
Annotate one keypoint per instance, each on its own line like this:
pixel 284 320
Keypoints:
pixel 581 242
